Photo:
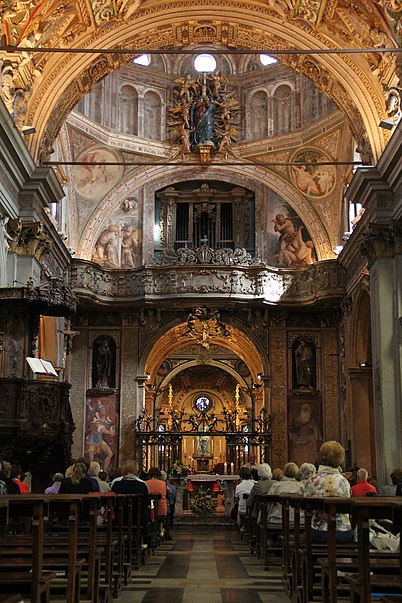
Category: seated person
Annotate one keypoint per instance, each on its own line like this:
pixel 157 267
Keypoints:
pixel 77 482
pixel 156 485
pixel 131 484
pixel 245 487
pixel 329 481
pixel 288 485
pixel 261 487
pixel 362 486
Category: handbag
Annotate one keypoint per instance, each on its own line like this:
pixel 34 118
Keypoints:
pixel 382 539
pixel 234 512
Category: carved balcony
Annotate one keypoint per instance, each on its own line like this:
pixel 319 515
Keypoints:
pixel 245 280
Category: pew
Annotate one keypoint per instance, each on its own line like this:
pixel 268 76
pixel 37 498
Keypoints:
pixel 363 583
pixel 34 583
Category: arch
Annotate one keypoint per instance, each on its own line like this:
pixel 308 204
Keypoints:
pixel 128 110
pixel 152 115
pixel 182 367
pixel 170 338
pixel 348 80
pixel 283 105
pixel 258 124
pixel 160 176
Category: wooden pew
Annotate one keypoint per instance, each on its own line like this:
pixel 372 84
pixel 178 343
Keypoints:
pixel 265 501
pixel 310 553
pixel 362 584
pixel 37 582
pixel 6 598
pixel 291 504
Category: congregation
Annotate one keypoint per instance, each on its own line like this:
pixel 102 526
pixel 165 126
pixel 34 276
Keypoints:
pixel 269 513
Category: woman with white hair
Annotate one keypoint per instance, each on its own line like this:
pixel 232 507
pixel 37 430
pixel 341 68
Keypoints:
pixel 288 485
pixel 328 481
pixel 306 471
pixel 261 487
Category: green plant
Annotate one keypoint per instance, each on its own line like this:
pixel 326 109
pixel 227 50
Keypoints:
pixel 179 470
pixel 201 502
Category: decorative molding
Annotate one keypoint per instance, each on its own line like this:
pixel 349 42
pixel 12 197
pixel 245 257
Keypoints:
pixel 381 240
pixel 319 282
pixel 232 34
pixel 53 293
pixel 28 239
pixel 207 255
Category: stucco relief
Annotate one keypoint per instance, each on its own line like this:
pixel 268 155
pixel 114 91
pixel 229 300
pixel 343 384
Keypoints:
pixel 321 280
pixel 238 34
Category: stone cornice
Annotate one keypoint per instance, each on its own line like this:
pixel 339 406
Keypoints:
pixel 13 152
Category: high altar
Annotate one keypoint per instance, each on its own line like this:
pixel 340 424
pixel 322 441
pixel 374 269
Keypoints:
pixel 226 482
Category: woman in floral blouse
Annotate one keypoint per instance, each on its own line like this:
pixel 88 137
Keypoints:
pixel 328 481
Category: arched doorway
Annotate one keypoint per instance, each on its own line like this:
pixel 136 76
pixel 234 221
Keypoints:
pixel 205 402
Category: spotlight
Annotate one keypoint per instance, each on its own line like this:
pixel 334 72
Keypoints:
pixel 387 124
pixel 28 130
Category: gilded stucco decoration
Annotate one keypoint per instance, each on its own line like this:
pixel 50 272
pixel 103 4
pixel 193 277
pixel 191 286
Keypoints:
pixel 306 23
pixel 205 116
pixel 170 338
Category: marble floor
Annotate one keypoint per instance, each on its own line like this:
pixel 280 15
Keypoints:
pixel 204 566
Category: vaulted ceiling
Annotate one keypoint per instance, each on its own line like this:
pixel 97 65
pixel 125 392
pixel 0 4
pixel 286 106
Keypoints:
pixel 70 46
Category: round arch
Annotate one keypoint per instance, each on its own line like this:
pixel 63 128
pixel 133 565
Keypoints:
pixel 158 177
pixel 347 79
pixel 186 365
pixel 170 338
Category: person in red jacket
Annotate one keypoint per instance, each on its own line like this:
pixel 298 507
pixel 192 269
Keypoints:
pixel 362 486
pixel 15 475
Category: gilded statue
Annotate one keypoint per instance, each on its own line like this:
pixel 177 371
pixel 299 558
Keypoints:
pixel 204 114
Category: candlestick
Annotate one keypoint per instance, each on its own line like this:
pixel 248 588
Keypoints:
pixel 225 468
pixel 232 468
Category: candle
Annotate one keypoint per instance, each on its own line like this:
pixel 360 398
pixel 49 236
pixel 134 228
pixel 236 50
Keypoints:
pixel 232 468
pixel 225 468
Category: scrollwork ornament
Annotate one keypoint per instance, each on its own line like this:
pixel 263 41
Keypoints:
pixel 377 242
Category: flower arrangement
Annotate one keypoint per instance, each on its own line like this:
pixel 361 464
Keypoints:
pixel 201 502
pixel 179 470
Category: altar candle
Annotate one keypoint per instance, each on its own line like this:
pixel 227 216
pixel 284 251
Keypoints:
pixel 225 468
pixel 232 468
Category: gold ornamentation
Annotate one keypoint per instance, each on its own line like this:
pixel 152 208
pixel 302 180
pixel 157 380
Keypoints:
pixel 231 34
pixel 204 325
pixel 204 116
pixel 28 239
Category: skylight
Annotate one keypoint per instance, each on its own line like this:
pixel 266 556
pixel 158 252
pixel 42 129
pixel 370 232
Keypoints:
pixel 267 60
pixel 143 59
pixel 204 63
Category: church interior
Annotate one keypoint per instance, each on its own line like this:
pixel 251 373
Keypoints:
pixel 201 208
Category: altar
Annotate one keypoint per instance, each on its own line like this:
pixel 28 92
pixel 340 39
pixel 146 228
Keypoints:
pixel 227 483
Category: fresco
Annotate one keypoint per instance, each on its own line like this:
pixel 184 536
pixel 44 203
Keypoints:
pixel 101 429
pixel 304 428
pixel 119 244
pixel 287 241
pixel 312 180
pixel 95 181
